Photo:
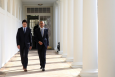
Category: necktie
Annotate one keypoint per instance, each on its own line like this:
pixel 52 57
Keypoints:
pixel 24 30
pixel 42 32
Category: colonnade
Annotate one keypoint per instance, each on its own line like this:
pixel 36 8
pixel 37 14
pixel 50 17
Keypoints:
pixel 87 37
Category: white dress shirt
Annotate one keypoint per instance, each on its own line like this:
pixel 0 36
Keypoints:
pixel 43 30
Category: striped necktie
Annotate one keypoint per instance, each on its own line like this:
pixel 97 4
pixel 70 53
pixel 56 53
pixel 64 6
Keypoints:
pixel 24 30
pixel 42 32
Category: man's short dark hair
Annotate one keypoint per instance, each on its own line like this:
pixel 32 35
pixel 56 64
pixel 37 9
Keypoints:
pixel 24 21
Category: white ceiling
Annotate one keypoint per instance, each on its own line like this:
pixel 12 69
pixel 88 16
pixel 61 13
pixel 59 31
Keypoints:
pixel 36 2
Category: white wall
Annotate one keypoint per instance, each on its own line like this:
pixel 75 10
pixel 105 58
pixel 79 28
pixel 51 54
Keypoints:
pixel 55 26
pixel 8 29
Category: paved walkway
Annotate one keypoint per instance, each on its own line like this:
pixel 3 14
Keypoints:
pixel 55 67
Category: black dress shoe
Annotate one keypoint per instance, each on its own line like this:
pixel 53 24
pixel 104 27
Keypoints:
pixel 43 69
pixel 40 67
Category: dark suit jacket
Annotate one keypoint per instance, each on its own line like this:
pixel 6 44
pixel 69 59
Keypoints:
pixel 37 26
pixel 44 39
pixel 24 39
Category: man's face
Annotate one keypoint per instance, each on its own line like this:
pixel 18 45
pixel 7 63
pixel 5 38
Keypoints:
pixel 24 24
pixel 41 24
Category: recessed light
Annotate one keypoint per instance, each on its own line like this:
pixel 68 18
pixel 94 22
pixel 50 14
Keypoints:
pixel 40 4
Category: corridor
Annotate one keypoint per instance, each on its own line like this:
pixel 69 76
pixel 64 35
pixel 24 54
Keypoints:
pixel 82 30
pixel 56 66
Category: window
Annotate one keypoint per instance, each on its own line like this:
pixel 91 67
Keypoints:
pixel 38 10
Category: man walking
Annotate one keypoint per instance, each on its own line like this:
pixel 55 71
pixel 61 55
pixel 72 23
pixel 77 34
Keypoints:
pixel 41 37
pixel 24 43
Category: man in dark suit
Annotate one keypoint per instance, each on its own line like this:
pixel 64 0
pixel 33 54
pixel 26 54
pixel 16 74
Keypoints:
pixel 41 37
pixel 37 26
pixel 24 43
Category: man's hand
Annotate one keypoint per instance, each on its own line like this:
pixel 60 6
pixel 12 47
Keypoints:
pixel 30 47
pixel 47 47
pixel 40 43
pixel 18 46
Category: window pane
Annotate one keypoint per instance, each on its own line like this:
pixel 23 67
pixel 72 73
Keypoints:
pixel 28 10
pixel 32 10
pixel 40 10
pixel 36 10
pixel 41 18
pixel 44 10
pixel 48 10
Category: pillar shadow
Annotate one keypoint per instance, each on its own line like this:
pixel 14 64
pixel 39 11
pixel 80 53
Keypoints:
pixel 35 55
pixel 36 59
pixel 33 71
pixel 35 64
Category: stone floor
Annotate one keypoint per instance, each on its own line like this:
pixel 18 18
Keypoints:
pixel 56 66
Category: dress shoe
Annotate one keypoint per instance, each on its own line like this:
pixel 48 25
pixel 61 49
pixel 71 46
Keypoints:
pixel 43 69
pixel 25 70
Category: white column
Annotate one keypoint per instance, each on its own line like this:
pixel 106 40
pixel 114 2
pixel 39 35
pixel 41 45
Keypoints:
pixel 70 31
pixel 58 26
pixel 55 13
pixel 78 33
pixel 0 43
pixel 65 15
pixel 106 41
pixel 90 67
pixel 61 25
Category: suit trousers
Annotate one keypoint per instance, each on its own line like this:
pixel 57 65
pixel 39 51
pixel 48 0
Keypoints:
pixel 24 56
pixel 42 55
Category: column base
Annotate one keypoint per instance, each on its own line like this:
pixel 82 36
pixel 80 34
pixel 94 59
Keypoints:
pixel 89 73
pixel 64 55
pixel 77 65
pixel 55 48
pixel 70 59
pixel 60 52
